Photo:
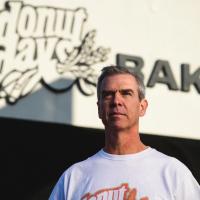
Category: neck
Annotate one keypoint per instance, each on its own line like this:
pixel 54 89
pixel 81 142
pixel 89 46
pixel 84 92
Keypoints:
pixel 123 142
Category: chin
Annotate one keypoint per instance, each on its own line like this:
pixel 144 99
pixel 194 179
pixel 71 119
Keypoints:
pixel 117 126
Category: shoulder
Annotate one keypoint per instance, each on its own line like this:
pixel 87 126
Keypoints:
pixel 83 166
pixel 172 165
pixel 168 163
pixel 178 168
pixel 159 158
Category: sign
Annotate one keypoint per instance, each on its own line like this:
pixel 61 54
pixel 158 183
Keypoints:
pixel 51 55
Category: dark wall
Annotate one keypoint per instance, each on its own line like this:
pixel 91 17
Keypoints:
pixel 34 154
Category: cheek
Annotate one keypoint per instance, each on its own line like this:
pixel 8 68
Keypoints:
pixel 133 109
pixel 103 109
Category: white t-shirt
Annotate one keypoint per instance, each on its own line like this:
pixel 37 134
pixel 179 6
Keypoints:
pixel 106 176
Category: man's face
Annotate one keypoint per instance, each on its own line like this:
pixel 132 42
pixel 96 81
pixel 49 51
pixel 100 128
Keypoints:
pixel 119 106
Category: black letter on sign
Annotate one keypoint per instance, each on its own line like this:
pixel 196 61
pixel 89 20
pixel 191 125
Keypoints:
pixel 136 62
pixel 187 79
pixel 167 78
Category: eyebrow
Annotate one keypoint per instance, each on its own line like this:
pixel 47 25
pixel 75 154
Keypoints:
pixel 121 91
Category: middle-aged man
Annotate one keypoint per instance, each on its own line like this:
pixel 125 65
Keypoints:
pixel 125 168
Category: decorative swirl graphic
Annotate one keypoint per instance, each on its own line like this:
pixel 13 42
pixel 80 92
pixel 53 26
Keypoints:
pixel 17 84
pixel 80 60
pixel 57 55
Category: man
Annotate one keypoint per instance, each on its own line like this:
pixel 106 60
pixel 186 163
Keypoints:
pixel 125 169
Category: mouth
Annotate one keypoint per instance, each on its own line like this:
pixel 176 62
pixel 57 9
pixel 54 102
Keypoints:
pixel 116 114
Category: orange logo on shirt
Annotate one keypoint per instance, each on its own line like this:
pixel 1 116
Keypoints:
pixel 122 192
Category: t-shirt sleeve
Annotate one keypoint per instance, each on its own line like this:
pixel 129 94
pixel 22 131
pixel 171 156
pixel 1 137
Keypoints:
pixel 186 186
pixel 58 190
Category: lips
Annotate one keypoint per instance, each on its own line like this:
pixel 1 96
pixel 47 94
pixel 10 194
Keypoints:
pixel 116 114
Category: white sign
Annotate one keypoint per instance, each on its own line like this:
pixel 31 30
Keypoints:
pixel 51 55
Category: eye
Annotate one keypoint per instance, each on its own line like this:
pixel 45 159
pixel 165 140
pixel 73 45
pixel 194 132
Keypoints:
pixel 107 94
pixel 126 92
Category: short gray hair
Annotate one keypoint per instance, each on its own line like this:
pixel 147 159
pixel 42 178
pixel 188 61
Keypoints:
pixel 113 70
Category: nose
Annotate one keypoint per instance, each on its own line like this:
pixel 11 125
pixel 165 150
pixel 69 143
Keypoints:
pixel 117 99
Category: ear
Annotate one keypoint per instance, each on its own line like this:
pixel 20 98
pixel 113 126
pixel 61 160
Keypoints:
pixel 143 107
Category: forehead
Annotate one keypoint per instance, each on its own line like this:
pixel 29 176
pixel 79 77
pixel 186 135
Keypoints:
pixel 119 81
